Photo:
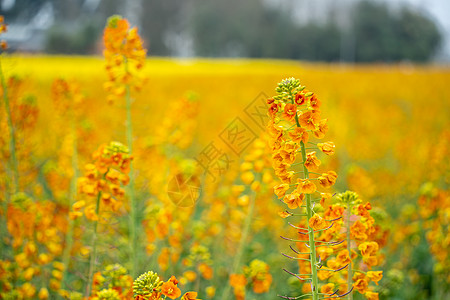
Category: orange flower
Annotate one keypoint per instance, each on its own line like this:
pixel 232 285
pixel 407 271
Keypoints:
pixel 284 214
pixel 299 134
pixel 288 155
pixel 280 190
pixel 90 213
pixel 317 222
pixel 375 276
pixel 190 296
pixel 327 147
pixel 190 275
pixel 262 286
pixel 334 211
pixel 237 280
pixel 368 248
pixel 300 99
pixel 174 280
pixel 322 129
pixel 327 288
pixel 308 120
pixel 342 258
pixel 358 231
pixel 312 163
pixel 371 296
pixel 315 102
pixel 113 176
pixel 152 296
pixel 273 109
pixel 369 251
pixel 239 293
pixel 305 186
pixel 361 285
pixel 327 179
pixel 370 261
pixel 362 211
pixel 324 197
pixel 206 271
pixel 323 275
pixel 294 200
pixel 289 111
pixel 170 290
pixel 286 176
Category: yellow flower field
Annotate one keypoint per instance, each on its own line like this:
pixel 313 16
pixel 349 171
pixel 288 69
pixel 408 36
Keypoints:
pixel 178 196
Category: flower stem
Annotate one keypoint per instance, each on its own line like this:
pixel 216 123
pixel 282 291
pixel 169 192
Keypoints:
pixel 349 269
pixel 312 244
pixel 133 215
pixel 94 247
pixel 72 197
pixel 309 213
pixel 12 135
pixel 242 243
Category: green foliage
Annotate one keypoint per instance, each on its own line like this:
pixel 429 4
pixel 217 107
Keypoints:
pixel 379 34
pixel 81 41
pixel 384 35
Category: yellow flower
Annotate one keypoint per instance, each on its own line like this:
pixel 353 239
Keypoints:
pixel 317 222
pixel 327 147
pixel 312 163
pixel 343 258
pixel 368 248
pixel 305 186
pixel 247 177
pixel 280 190
pixel 294 200
pixel 43 294
pixel 371 296
pixel 327 179
pixel 327 288
pixel 322 129
pixel 375 276
pixel 190 275
pixel 361 285
pixel 299 134
pixel 358 231
pixel 308 120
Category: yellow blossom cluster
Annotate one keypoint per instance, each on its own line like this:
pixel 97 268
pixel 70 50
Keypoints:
pixel 125 57
pixel 103 181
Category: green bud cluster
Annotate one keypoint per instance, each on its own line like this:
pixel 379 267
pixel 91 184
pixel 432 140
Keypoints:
pixel 287 89
pixel 199 254
pixel 108 294
pixel 349 198
pixel 21 200
pixel 146 283
pixel 114 274
pixel 256 269
pixel 115 148
pixel 112 21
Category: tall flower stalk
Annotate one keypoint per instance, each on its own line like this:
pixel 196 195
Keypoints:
pixel 102 191
pixel 12 133
pixel 125 57
pixel 67 98
pixel 294 117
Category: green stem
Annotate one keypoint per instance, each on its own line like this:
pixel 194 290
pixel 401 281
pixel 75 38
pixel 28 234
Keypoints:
pixel 94 248
pixel 349 268
pixel 312 244
pixel 12 134
pixel 242 243
pixel 309 213
pixel 72 197
pixel 133 215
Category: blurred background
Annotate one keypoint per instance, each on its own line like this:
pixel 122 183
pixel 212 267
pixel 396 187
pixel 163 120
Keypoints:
pixel 319 30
